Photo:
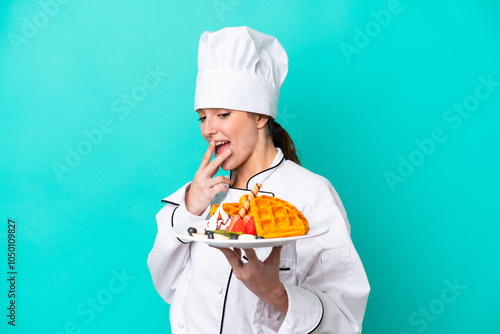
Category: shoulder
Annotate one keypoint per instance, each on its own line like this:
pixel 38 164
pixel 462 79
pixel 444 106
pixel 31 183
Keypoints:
pixel 298 176
pixel 300 185
pixel 311 193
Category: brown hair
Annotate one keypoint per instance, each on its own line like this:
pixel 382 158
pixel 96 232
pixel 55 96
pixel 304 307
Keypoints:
pixel 282 139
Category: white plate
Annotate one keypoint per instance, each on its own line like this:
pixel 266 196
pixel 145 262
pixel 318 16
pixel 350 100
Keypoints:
pixel 181 233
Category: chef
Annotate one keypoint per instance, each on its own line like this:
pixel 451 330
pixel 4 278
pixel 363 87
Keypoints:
pixel 315 285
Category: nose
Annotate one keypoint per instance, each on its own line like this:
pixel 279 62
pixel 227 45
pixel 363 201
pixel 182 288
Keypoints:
pixel 209 129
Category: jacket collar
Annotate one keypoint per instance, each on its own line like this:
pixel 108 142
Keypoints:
pixel 261 176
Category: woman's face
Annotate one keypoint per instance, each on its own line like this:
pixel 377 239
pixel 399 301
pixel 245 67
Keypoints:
pixel 233 129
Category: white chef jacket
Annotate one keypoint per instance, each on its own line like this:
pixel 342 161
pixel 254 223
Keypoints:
pixel 324 278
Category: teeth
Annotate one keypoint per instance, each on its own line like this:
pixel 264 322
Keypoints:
pixel 221 142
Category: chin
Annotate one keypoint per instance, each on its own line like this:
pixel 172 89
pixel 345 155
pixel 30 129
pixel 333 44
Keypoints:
pixel 227 165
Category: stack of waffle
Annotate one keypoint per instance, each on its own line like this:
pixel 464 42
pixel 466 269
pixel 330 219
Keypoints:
pixel 274 217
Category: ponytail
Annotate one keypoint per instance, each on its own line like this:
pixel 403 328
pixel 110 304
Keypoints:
pixel 282 139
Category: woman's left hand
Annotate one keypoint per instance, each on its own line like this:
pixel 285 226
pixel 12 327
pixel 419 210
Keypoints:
pixel 262 278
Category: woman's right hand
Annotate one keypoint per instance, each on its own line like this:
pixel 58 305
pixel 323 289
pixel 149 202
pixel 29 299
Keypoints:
pixel 204 186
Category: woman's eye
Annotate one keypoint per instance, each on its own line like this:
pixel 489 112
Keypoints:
pixel 224 115
pixel 201 119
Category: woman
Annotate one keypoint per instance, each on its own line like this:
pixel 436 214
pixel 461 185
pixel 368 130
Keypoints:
pixel 313 285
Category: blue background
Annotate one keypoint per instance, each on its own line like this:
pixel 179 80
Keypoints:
pixel 365 84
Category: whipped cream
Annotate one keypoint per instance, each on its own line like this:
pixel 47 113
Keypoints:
pixel 216 223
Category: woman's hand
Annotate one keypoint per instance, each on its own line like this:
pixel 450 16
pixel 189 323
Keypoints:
pixel 262 278
pixel 204 187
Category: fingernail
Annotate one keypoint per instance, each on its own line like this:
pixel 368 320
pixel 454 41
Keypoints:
pixel 228 150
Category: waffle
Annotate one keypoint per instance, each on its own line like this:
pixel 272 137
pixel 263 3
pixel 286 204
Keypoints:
pixel 276 218
pixel 232 209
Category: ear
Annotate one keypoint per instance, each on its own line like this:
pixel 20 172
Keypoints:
pixel 261 120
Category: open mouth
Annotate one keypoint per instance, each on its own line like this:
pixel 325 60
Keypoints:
pixel 221 146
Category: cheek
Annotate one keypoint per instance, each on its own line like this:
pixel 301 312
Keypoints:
pixel 243 135
pixel 233 133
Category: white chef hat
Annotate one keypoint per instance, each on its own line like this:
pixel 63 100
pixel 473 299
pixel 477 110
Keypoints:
pixel 241 69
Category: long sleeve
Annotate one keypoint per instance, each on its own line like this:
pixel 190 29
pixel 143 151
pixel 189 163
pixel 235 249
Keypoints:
pixel 330 290
pixel 332 272
pixel 170 256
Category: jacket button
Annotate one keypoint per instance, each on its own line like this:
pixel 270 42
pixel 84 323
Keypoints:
pixel 218 288
pixel 180 324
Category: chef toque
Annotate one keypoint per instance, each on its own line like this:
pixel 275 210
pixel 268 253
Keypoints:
pixel 241 69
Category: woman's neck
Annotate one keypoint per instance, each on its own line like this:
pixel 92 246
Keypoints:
pixel 261 159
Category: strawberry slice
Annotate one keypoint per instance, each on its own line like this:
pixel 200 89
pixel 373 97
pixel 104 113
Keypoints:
pixel 246 219
pixel 249 225
pixel 236 225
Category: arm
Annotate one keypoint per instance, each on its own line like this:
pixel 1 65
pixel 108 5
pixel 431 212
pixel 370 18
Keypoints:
pixel 260 277
pixel 169 256
pixel 332 286
pixel 331 289
pixel 187 206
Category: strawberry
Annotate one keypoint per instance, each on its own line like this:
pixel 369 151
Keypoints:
pixel 249 225
pixel 236 224
pixel 246 219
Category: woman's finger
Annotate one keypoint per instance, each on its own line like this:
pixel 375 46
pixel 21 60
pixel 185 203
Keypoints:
pixel 237 251
pixel 212 167
pixel 274 257
pixel 251 255
pixel 219 180
pixel 231 256
pixel 214 172
pixel 206 158
pixel 217 189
